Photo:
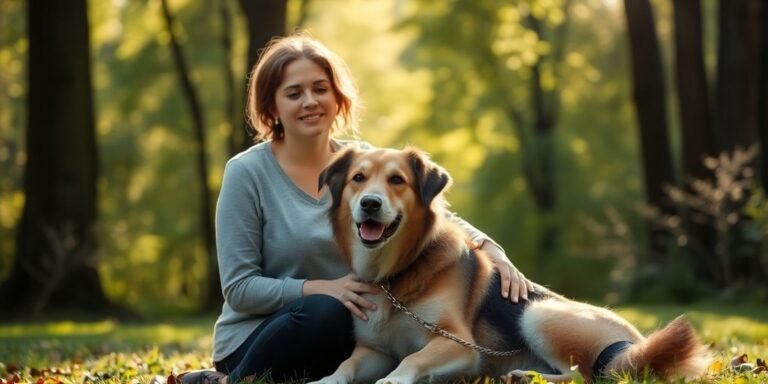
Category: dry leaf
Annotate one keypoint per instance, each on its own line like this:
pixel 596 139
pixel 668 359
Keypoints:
pixel 738 360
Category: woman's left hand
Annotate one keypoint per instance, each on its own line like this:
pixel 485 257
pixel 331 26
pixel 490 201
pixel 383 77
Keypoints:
pixel 514 285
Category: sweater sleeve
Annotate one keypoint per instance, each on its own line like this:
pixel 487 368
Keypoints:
pixel 477 236
pixel 239 222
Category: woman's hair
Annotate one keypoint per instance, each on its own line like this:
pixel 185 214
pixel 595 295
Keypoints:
pixel 268 74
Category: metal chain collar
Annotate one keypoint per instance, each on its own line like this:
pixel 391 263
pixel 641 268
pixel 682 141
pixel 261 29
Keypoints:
pixel 434 328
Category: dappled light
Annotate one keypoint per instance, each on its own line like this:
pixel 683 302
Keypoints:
pixel 614 149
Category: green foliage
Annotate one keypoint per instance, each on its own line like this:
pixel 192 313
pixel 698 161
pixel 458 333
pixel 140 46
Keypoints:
pixel 150 200
pixel 480 118
pixel 451 77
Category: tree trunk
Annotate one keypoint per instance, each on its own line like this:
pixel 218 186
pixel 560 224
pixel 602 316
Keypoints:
pixel 303 14
pixel 697 132
pixel 736 107
pixel 213 297
pixel 55 265
pixel 692 90
pixel 649 97
pixel 266 20
pixel 736 93
pixel 231 110
pixel 539 156
pixel 762 118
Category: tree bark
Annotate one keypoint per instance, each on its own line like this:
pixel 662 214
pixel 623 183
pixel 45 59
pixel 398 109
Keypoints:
pixel 697 133
pixel 762 109
pixel 232 112
pixel 736 117
pixel 762 101
pixel 650 102
pixel 55 265
pixel 266 20
pixel 213 297
pixel 736 93
pixel 762 117
pixel 692 90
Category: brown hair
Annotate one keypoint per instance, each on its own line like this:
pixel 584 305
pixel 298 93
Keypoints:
pixel 268 74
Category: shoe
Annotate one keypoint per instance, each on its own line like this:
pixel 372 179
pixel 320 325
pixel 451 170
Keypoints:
pixel 202 376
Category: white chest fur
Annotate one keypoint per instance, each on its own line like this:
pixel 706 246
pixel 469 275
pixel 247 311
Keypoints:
pixel 394 332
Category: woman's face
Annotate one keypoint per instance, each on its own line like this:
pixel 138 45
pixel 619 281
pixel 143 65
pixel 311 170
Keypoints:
pixel 305 100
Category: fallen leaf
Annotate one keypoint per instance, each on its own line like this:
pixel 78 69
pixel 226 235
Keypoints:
pixel 738 360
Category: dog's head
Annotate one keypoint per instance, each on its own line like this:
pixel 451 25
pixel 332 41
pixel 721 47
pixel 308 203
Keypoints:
pixel 385 201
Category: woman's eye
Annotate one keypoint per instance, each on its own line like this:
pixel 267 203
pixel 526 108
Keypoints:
pixel 321 90
pixel 396 180
pixel 358 178
pixel 293 95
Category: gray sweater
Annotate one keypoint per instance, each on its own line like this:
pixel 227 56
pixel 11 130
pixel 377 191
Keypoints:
pixel 270 237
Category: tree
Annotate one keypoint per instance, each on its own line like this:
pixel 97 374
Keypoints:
pixel 649 97
pixel 266 20
pixel 737 72
pixel 516 61
pixel 213 297
pixel 712 203
pixel 698 140
pixel 762 107
pixel 55 264
pixel 539 168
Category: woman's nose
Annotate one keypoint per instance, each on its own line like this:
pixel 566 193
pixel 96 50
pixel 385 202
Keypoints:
pixel 310 100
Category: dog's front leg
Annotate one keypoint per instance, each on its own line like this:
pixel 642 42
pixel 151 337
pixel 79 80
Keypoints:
pixel 366 364
pixel 440 357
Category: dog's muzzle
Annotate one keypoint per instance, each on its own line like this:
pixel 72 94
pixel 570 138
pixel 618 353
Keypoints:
pixel 371 230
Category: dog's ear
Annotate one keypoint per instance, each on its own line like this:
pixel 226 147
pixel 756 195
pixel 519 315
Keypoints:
pixel 335 173
pixel 431 179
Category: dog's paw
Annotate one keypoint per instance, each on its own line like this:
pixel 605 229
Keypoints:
pixel 518 376
pixel 334 379
pixel 395 380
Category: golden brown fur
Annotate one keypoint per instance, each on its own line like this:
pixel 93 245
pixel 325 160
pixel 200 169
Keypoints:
pixel 392 227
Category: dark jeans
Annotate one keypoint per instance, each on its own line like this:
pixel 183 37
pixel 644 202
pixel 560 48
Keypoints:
pixel 307 338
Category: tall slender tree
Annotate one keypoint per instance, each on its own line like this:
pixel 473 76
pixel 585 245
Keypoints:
pixel 55 264
pixel 649 96
pixel 698 142
pixel 735 93
pixel 213 296
pixel 266 20
pixel 736 116
pixel 762 103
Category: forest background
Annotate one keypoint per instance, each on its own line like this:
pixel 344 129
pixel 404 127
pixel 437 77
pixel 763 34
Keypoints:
pixel 612 148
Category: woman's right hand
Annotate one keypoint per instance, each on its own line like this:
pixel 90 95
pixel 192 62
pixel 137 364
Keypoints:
pixel 348 289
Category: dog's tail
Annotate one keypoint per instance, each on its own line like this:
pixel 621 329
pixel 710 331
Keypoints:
pixel 671 352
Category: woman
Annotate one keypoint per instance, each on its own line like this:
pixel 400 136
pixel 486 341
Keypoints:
pixel 287 294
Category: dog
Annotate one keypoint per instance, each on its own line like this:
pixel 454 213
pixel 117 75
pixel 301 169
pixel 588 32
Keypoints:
pixel 440 314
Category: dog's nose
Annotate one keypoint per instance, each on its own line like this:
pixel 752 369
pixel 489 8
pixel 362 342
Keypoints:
pixel 370 204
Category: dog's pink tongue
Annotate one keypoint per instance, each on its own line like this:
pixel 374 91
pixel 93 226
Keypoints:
pixel 371 230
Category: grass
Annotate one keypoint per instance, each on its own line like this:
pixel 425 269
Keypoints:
pixel 111 352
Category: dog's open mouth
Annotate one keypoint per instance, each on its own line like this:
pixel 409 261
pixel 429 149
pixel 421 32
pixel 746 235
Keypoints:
pixel 373 233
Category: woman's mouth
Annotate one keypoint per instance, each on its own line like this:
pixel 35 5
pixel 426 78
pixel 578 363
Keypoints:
pixel 311 118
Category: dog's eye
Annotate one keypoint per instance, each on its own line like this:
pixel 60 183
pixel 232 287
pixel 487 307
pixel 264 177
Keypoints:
pixel 396 180
pixel 358 178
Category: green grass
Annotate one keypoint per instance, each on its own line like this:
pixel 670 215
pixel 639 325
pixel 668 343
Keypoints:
pixel 111 352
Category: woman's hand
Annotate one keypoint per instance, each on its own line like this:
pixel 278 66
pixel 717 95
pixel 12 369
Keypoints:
pixel 348 289
pixel 514 285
